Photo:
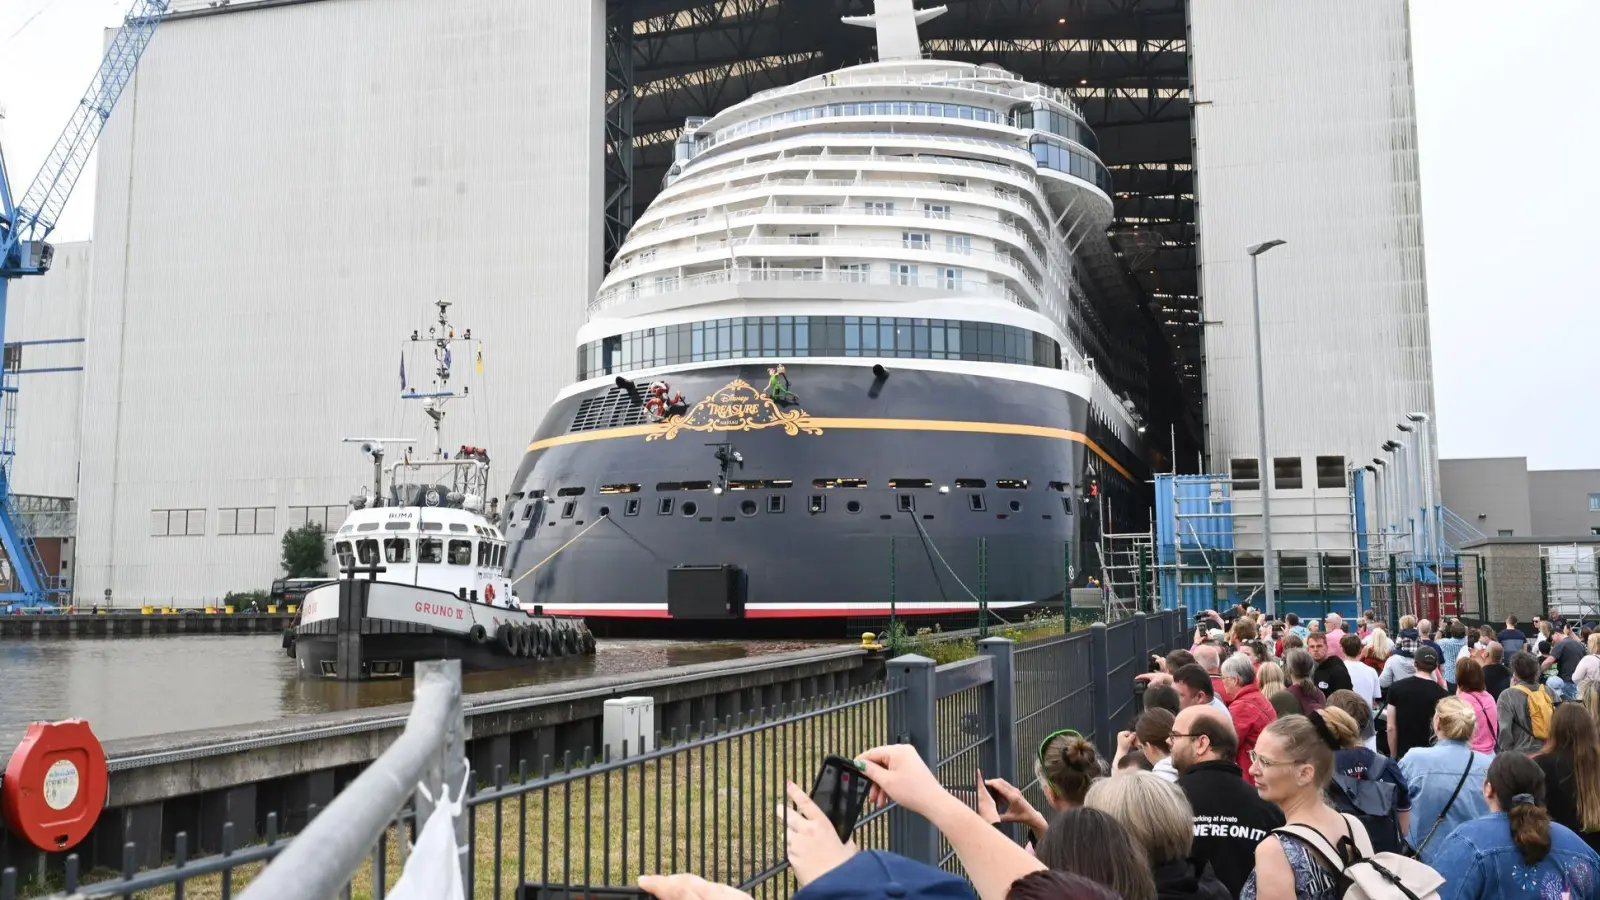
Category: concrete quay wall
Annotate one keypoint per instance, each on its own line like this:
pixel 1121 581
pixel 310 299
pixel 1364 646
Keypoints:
pixel 135 625
pixel 195 782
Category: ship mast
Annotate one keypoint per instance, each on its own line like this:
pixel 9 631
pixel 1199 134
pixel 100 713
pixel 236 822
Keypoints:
pixel 441 336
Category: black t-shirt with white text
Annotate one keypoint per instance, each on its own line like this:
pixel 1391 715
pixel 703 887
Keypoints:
pixel 1230 819
pixel 1411 703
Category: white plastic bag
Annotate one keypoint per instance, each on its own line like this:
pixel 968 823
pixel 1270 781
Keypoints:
pixel 433 872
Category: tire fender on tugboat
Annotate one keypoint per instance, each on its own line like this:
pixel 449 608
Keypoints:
pixel 478 634
pixel 544 641
pixel 288 640
pixel 506 637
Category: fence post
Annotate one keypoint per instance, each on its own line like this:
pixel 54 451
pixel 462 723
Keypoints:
pixel 1141 642
pixel 1483 587
pixel 1544 587
pixel 1099 672
pixel 1394 596
pixel 911 721
pixel 1066 587
pixel 1002 696
pixel 447 767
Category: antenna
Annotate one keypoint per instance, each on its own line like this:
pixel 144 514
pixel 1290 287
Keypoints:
pixel 441 336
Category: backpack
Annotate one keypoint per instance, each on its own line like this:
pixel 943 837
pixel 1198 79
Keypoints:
pixel 1539 710
pixel 1369 875
pixel 1372 802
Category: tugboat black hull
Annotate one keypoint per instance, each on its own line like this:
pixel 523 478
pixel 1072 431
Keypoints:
pixel 915 492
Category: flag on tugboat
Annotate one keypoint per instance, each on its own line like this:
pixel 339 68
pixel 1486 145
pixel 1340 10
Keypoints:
pixel 480 359
pixel 402 370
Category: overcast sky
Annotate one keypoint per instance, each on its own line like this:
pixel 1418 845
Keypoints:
pixel 1507 141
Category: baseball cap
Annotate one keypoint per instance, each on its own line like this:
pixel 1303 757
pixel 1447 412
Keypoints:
pixel 1428 655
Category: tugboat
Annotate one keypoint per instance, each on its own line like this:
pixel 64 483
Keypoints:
pixel 422 559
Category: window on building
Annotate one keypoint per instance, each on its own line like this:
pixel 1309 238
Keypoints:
pixel 855 272
pixel 1505 532
pixel 1594 503
pixel 325 517
pixel 937 210
pixel 1286 475
pixel 1595 531
pixel 950 278
pixel 916 240
pixel 1250 570
pixel 805 237
pixel 1330 472
pixel 177 523
pixel 1246 475
pixel 958 243
pixel 880 207
pixel 905 274
pixel 246 520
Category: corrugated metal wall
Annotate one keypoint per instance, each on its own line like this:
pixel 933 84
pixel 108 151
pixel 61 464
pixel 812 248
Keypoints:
pixel 1305 129
pixel 282 194
pixel 50 307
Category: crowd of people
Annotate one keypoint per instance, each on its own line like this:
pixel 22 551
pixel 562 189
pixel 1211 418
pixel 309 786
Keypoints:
pixel 1274 759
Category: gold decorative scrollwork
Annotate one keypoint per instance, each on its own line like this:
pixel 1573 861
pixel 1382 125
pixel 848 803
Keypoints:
pixel 736 406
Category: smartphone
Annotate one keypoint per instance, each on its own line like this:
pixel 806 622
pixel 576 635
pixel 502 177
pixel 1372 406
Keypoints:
pixel 1000 801
pixel 535 890
pixel 841 793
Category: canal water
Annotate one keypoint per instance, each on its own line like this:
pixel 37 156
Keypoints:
pixel 127 687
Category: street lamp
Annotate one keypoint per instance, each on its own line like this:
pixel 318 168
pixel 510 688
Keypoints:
pixel 1268 564
pixel 1425 465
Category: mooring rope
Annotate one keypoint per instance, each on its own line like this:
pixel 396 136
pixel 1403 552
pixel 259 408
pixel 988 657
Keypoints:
pixel 928 541
pixel 558 550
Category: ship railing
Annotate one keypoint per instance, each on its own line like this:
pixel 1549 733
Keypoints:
pixel 628 293
pixel 960 76
pixel 1018 269
pixel 712 219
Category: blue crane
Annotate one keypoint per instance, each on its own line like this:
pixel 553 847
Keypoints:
pixel 24 225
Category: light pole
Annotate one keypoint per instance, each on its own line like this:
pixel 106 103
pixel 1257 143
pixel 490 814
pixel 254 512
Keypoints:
pixel 1425 441
pixel 1268 564
pixel 1381 507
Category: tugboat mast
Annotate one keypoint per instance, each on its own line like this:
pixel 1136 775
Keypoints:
pixel 441 336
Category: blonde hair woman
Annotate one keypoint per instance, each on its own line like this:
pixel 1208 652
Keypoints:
pixel 1377 650
pixel 1588 669
pixel 1432 774
pixel 1270 681
pixel 1160 819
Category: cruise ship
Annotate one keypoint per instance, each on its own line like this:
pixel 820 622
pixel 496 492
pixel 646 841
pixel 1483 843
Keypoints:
pixel 850 362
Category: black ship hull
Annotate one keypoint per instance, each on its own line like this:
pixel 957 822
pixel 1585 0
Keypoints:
pixel 910 491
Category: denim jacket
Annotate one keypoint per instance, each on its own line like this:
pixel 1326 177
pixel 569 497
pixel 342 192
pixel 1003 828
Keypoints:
pixel 1479 862
pixel 1432 774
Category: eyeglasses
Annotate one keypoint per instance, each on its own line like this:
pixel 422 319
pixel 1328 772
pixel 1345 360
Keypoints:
pixel 1045 744
pixel 1268 764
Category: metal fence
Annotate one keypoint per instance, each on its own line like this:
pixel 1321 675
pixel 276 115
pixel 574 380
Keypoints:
pixel 705 801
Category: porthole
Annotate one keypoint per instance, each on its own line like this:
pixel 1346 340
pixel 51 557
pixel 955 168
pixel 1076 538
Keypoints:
pixel 605 511
pixel 747 508
pixel 690 508
pixel 664 506
pixel 854 506
pixel 1016 505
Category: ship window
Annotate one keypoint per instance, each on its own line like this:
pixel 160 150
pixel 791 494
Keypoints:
pixel 536 495
pixel 1246 475
pixel 631 508
pixel 430 550
pixel 568 508
pixel 748 508
pixel 690 508
pixel 397 550
pixel 459 528
pixel 937 210
pixel 1060 487
pixel 396 526
pixel 819 503
pixel 527 514
pixel 839 483
pixel 485 553
pixel 975 503
pixel 1016 505
pixel 460 553
pixel 911 482
pixel 664 506
pixel 744 485
pixel 431 526
pixel 347 557
pixel 669 486
pixel 970 483
pixel 916 240
pixel 775 503
pixel 1012 484
pixel 570 492
pixel 367 552
pixel 619 489
pixel 854 506
pixel 367 526
pixel 908 502
pixel 697 485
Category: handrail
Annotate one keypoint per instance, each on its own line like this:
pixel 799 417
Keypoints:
pixel 322 858
pixel 962 75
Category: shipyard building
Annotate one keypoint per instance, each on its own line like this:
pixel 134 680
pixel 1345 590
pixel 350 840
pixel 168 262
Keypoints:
pixel 287 186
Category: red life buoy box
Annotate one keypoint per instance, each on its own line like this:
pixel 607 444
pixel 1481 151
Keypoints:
pixel 55 784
